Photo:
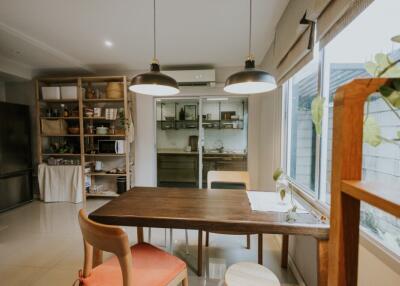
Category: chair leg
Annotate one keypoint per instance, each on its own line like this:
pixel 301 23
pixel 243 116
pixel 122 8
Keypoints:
pixel 200 253
pixel 285 251
pixel 248 241
pixel 149 234
pixel 260 249
pixel 185 281
pixel 187 242
pixel 207 238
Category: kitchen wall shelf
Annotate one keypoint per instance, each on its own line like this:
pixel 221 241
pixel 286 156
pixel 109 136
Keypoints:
pixel 85 142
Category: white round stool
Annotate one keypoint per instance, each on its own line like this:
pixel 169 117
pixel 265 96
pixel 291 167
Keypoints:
pixel 250 274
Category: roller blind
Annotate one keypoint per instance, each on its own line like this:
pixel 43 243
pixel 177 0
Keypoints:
pixel 337 15
pixel 290 48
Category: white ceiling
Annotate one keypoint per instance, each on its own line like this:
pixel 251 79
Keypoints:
pixel 54 35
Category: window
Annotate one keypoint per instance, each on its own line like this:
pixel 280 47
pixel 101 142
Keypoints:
pixel 302 89
pixel 343 60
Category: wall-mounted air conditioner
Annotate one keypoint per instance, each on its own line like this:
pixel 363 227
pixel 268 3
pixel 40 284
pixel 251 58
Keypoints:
pixel 193 77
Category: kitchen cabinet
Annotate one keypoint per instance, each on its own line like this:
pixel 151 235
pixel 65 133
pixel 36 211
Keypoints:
pixel 178 169
pixel 223 162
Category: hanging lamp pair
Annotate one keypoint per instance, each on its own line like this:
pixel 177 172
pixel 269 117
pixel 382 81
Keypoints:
pixel 248 81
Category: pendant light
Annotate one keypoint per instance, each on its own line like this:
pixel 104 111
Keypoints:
pixel 250 80
pixel 154 82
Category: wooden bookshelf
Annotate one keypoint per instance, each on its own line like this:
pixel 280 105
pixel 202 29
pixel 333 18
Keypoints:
pixel 82 139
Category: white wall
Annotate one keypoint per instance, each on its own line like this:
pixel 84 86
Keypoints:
pixel 145 144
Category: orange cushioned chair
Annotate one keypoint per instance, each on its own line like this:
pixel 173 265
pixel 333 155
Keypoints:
pixel 139 265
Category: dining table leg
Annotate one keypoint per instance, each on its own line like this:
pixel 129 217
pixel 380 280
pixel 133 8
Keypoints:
pixel 139 231
pixel 200 254
pixel 322 262
pixel 285 251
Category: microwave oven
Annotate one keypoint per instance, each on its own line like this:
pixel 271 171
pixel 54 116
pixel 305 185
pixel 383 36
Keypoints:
pixel 111 146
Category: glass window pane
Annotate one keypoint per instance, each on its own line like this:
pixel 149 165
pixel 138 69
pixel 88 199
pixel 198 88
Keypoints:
pixel 344 62
pixel 303 89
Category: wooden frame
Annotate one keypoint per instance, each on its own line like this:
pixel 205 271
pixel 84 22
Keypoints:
pixel 347 188
pixel 80 102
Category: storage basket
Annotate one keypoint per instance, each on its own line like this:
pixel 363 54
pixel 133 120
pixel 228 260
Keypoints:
pixel 50 92
pixel 54 126
pixel 69 92
pixel 114 90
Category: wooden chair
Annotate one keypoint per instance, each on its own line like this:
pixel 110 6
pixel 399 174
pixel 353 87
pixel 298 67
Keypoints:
pixel 248 273
pixel 141 264
pixel 234 177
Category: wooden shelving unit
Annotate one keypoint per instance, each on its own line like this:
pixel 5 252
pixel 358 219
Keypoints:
pixel 82 141
pixel 348 189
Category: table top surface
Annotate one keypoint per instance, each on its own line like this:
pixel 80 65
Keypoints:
pixel 205 209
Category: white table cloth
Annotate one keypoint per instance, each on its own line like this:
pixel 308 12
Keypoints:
pixel 60 183
pixel 271 202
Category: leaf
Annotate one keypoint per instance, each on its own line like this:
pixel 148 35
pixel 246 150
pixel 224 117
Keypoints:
pixel 396 84
pixel 386 91
pixel 371 68
pixel 317 112
pixel 392 72
pixel 382 60
pixel 394 98
pixel 398 134
pixel 278 172
pixel 372 132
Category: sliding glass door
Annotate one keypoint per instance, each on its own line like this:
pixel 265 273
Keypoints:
pixel 197 135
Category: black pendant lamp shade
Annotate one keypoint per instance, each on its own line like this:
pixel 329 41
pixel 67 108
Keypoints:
pixel 250 80
pixel 154 82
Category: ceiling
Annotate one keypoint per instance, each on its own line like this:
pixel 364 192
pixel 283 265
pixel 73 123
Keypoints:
pixel 69 35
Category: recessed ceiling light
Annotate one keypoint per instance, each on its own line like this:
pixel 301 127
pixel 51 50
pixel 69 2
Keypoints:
pixel 108 43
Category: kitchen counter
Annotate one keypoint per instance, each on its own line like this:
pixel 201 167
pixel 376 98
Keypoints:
pixel 183 152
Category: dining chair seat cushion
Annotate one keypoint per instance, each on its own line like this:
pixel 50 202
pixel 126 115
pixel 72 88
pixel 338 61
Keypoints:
pixel 250 274
pixel 151 267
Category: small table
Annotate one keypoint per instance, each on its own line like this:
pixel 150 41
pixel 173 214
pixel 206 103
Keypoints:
pixel 208 210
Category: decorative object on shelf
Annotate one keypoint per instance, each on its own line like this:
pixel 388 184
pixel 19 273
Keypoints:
pixel 190 112
pixel 97 112
pixel 154 82
pixel 90 92
pixel 89 112
pixel 61 148
pixel 101 130
pixel 169 118
pixel 114 90
pixel 250 80
pixel 227 115
pixel 98 166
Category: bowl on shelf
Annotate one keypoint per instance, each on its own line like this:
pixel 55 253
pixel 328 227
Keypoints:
pixel 73 130
pixel 101 130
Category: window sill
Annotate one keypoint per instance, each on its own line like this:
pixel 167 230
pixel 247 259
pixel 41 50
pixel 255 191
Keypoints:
pixel 388 257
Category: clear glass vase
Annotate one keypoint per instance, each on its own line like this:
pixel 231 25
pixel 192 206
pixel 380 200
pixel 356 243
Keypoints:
pixel 282 188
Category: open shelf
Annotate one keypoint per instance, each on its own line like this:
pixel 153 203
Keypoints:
pixel 383 196
pixel 61 117
pixel 60 135
pixel 62 154
pixel 105 155
pixel 98 118
pixel 59 100
pixel 103 100
pixel 105 174
pixel 108 135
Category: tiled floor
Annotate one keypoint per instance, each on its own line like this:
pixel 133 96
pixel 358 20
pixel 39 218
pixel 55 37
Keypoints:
pixel 40 244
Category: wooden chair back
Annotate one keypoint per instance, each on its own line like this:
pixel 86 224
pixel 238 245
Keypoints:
pixel 237 177
pixel 107 238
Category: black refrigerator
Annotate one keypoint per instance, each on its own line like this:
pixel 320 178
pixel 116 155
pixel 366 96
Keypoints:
pixel 15 156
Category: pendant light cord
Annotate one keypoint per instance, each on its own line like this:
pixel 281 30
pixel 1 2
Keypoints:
pixel 154 30
pixel 250 20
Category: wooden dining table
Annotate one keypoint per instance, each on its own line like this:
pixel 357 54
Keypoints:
pixel 209 210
